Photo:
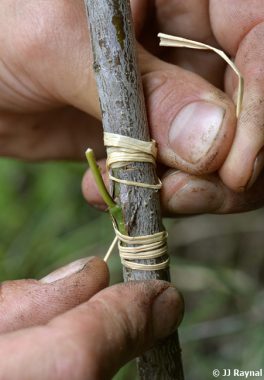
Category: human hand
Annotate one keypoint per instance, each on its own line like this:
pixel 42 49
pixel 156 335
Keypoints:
pixel 49 106
pixel 67 326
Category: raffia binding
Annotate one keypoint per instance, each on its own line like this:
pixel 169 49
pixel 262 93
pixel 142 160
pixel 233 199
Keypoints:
pixel 141 248
pixel 123 149
pixel 174 41
pixel 120 151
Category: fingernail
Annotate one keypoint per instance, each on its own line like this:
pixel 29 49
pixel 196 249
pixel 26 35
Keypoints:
pixel 101 207
pixel 257 169
pixel 194 130
pixel 167 312
pixel 196 196
pixel 66 271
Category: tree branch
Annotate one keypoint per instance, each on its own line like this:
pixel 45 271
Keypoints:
pixel 123 112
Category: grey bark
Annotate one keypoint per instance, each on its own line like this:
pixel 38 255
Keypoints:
pixel 123 112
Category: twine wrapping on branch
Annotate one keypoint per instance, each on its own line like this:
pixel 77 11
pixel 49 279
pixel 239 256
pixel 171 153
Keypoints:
pixel 120 151
pixel 141 248
pixel 123 149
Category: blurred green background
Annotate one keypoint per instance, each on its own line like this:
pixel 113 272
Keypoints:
pixel 217 261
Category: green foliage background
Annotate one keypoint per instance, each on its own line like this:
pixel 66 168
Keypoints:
pixel 217 261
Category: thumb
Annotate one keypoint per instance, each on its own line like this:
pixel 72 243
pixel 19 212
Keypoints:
pixel 96 338
pixel 25 303
pixel 192 121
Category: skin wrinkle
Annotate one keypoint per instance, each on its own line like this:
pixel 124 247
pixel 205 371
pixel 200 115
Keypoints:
pixel 157 101
pixel 25 91
pixel 160 80
pixel 43 98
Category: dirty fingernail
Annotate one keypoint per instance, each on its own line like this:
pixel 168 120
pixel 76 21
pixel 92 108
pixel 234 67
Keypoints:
pixel 194 130
pixel 66 271
pixel 257 169
pixel 197 196
pixel 167 312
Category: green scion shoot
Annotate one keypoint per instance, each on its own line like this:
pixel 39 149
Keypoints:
pixel 114 209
